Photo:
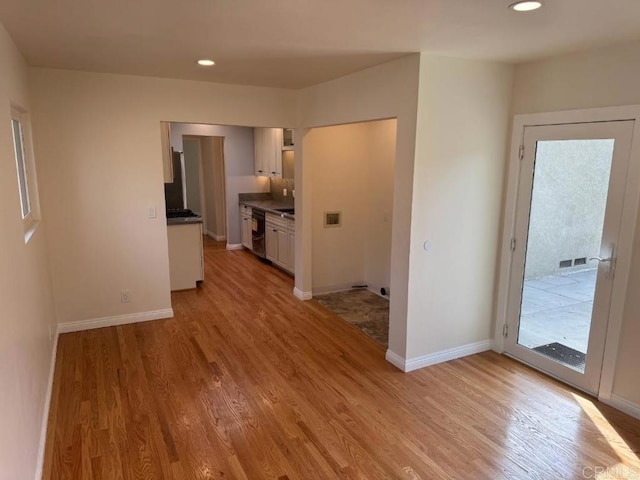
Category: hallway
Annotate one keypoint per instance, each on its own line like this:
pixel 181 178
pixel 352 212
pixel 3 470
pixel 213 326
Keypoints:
pixel 247 382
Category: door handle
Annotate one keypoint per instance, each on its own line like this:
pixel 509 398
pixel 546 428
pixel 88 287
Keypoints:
pixel 610 260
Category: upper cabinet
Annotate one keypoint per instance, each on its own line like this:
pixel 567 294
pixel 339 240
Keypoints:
pixel 268 151
pixel 287 139
pixel 167 152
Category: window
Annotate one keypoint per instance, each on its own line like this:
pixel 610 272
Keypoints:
pixel 18 147
pixel 25 169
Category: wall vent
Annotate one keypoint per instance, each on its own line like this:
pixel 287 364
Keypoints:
pixel 580 261
pixel 566 263
pixel 332 219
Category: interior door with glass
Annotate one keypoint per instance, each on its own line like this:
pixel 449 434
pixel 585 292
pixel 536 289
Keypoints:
pixel 569 207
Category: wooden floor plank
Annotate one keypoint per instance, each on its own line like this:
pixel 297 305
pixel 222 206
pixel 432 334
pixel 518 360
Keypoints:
pixel 246 382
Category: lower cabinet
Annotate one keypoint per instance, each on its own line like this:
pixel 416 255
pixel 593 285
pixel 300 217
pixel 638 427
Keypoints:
pixel 186 260
pixel 246 226
pixel 280 239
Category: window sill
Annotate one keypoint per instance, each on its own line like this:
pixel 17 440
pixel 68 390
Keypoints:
pixel 29 230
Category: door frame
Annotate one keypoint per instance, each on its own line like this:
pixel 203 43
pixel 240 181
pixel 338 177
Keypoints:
pixel 626 236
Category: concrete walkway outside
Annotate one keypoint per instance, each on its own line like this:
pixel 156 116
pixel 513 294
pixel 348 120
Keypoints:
pixel 558 309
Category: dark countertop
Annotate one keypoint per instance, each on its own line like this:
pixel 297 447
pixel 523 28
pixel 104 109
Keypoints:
pixel 269 206
pixel 184 220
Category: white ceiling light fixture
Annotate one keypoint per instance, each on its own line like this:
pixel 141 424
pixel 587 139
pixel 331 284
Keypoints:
pixel 206 63
pixel 526 6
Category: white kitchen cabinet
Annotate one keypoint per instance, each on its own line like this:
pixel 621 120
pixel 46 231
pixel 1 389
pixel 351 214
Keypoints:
pixel 283 248
pixel 267 144
pixel 292 248
pixel 246 226
pixel 186 259
pixel 280 238
pixel 272 239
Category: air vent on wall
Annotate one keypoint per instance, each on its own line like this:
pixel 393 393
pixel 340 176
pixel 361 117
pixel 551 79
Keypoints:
pixel 332 219
pixel 565 263
pixel 580 261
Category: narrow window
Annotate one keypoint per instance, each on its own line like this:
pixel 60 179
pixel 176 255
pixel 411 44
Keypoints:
pixel 23 184
pixel 26 170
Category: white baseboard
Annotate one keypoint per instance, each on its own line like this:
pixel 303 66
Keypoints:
pixel 217 238
pixel 408 365
pixel 624 405
pixel 395 359
pixel 302 295
pixel 342 287
pixel 113 321
pixel 234 246
pixel 45 410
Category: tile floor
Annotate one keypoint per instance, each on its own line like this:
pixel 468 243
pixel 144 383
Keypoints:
pixel 558 308
pixel 362 308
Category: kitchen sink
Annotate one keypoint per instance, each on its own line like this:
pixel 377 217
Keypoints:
pixel 286 210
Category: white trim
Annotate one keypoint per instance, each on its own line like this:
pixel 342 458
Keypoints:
pixel 68 327
pixel 46 408
pixel 396 360
pixel 624 405
pixel 302 295
pixel 376 289
pixel 408 365
pixel 626 236
pixel 217 238
pixel 342 287
pixel 234 246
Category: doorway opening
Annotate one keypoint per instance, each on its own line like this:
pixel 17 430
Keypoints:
pixel 352 180
pixel 205 182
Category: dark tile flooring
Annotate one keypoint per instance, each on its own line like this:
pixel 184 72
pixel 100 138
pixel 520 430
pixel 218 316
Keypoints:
pixel 362 308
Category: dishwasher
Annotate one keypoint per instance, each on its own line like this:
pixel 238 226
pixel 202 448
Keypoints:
pixel 257 233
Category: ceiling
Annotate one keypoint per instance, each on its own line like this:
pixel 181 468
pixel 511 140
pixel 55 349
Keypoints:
pixel 296 43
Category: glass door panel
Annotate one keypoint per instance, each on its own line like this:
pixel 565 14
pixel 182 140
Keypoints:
pixel 568 203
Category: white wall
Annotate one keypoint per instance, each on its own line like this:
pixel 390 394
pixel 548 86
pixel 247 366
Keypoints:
pixel 192 173
pixel 385 91
pixel 352 169
pixel 598 78
pixel 97 137
pixel 239 166
pixel 461 139
pixel 25 296
pixel 381 145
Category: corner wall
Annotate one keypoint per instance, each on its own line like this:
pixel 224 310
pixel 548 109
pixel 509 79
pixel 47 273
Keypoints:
pixel 97 138
pixel 27 317
pixel 352 168
pixel 461 139
pixel 599 78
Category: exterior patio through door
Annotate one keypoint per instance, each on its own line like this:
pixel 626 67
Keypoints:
pixel 570 199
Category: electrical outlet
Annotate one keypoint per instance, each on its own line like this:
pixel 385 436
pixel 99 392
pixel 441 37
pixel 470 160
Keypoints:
pixel 125 296
pixel 284 192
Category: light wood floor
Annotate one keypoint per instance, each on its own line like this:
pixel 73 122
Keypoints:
pixel 246 382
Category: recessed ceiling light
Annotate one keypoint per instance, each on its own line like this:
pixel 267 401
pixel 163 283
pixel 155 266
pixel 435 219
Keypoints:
pixel 525 6
pixel 206 63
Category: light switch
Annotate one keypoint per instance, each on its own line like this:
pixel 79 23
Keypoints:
pixel 284 192
pixel 152 212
